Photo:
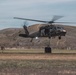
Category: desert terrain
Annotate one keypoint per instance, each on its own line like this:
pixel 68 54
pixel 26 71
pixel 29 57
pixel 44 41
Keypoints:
pixel 13 63
pixel 22 57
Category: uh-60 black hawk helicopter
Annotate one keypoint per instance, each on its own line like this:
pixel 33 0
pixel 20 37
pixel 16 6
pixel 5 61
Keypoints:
pixel 48 30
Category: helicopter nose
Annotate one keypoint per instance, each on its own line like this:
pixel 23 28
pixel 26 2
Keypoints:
pixel 64 30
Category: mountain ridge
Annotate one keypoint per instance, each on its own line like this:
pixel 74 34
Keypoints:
pixel 9 38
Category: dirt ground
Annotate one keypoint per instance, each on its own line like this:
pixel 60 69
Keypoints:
pixel 37 64
pixel 39 56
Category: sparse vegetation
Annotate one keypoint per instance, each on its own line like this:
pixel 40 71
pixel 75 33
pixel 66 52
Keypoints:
pixel 25 51
pixel 21 57
pixel 13 62
pixel 37 67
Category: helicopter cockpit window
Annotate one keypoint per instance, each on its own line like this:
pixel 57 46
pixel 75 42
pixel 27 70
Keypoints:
pixel 59 28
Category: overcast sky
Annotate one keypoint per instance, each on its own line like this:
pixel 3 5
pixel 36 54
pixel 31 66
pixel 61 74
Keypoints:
pixel 35 9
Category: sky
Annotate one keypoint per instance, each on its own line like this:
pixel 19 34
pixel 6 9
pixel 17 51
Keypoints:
pixel 35 9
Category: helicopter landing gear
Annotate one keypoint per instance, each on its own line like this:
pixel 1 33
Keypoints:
pixel 59 37
pixel 48 48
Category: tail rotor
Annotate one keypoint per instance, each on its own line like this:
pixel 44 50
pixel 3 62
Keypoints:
pixel 25 28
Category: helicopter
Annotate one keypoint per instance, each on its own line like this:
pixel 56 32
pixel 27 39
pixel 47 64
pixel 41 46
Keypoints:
pixel 48 30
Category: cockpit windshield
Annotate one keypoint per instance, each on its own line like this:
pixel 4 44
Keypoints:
pixel 60 28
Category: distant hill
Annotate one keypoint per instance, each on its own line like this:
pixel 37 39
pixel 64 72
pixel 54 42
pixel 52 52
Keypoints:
pixel 9 38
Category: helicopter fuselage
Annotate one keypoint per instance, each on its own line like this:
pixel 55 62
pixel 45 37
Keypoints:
pixel 51 31
pixel 46 31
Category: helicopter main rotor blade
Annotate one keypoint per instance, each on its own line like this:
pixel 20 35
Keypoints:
pixel 56 18
pixel 66 22
pixel 47 22
pixel 30 19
